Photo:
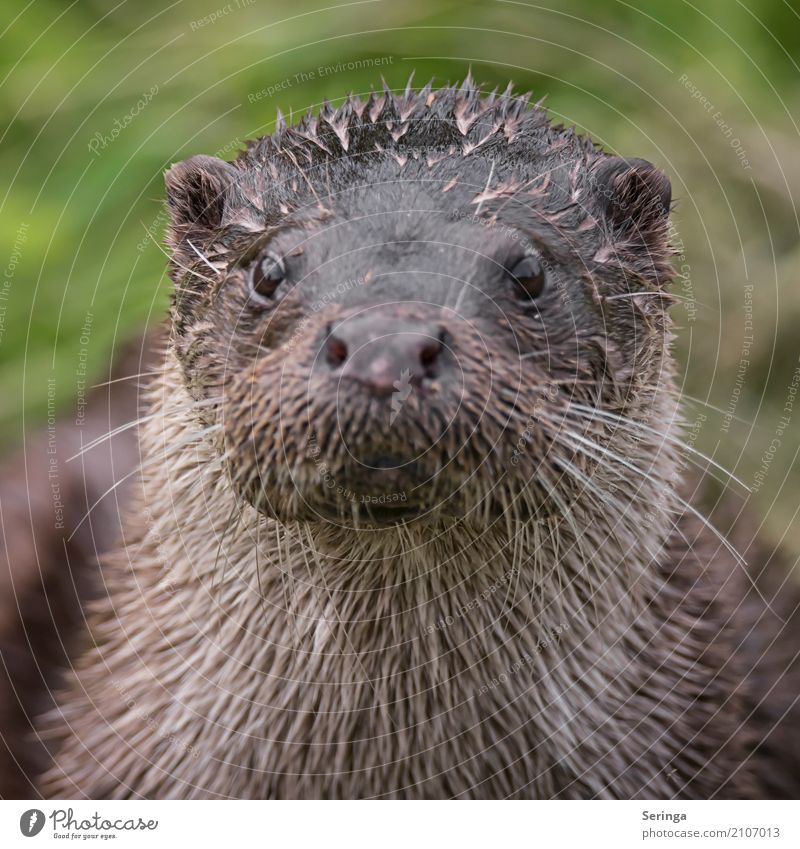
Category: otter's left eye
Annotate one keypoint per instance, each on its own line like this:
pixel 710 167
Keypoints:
pixel 529 276
pixel 265 277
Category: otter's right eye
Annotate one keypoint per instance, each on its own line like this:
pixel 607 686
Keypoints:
pixel 265 277
pixel 530 278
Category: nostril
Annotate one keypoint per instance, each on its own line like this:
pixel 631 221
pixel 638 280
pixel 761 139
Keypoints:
pixel 336 351
pixel 430 351
pixel 379 351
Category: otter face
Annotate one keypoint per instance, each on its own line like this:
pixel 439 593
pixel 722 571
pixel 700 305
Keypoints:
pixel 413 340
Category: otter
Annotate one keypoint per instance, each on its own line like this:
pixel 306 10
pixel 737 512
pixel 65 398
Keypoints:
pixel 410 520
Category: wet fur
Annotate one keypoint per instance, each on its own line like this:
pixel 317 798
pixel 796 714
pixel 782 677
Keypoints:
pixel 556 624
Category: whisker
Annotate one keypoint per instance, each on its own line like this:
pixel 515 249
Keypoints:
pixel 203 257
pixel 129 377
pixel 741 562
pixel 171 258
pixel 136 422
pixel 691 398
pixel 667 437
pixel 194 437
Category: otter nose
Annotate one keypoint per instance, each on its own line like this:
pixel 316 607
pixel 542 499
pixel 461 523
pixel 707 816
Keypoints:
pixel 379 352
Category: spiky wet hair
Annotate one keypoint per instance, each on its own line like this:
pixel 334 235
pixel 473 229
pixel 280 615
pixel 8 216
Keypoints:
pixel 430 125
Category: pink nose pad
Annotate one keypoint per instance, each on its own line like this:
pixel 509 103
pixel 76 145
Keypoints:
pixel 380 351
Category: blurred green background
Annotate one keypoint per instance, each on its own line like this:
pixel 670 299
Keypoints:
pixel 98 98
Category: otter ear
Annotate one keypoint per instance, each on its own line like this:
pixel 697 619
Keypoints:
pixel 634 196
pixel 196 193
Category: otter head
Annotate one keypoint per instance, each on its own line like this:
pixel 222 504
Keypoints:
pixel 425 307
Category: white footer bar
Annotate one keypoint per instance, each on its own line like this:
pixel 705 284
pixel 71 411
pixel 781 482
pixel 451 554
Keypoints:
pixel 409 825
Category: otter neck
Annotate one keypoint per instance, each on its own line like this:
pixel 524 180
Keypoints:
pixel 580 563
pixel 339 645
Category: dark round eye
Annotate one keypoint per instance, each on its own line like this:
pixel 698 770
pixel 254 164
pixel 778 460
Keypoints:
pixel 529 276
pixel 265 277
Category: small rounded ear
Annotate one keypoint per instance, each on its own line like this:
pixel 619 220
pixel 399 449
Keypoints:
pixel 632 194
pixel 196 192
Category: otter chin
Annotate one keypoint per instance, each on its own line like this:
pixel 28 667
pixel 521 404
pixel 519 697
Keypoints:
pixel 410 521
